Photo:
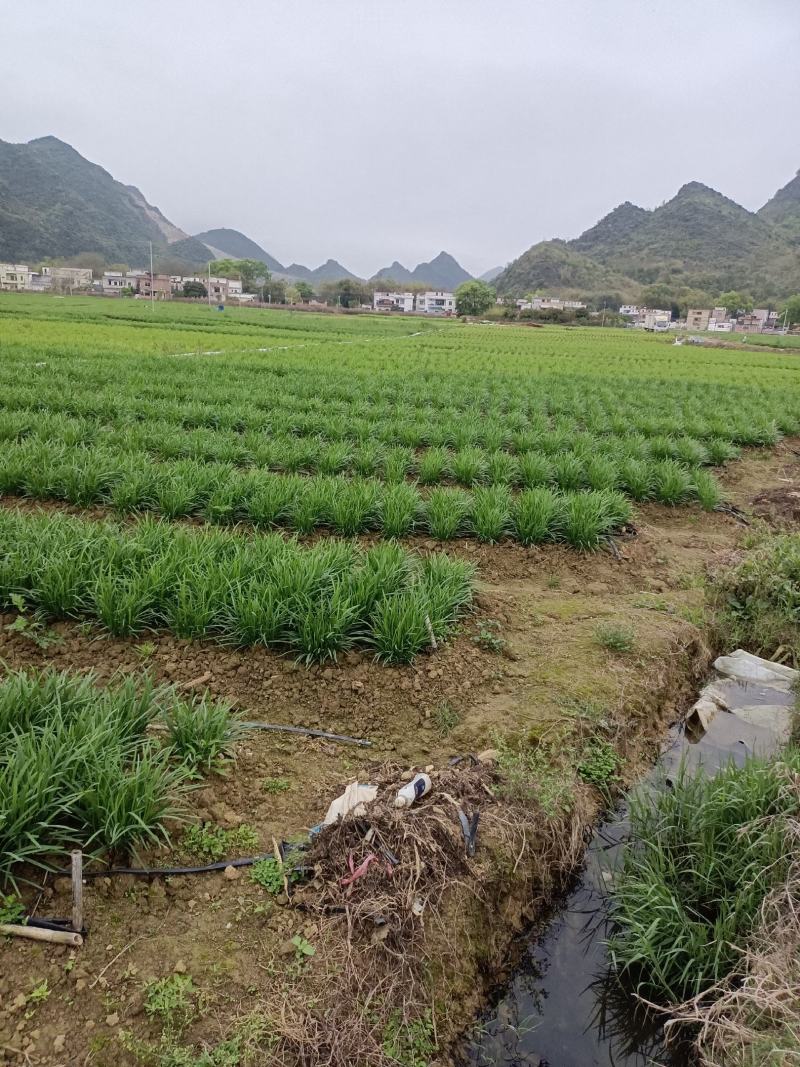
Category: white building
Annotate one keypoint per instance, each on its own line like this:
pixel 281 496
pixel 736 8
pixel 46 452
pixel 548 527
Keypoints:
pixel 435 302
pixel 629 309
pixel 385 301
pixel 14 277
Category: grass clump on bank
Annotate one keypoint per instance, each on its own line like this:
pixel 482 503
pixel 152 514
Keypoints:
pixel 758 602
pixel 77 768
pixel 702 858
pixel 265 590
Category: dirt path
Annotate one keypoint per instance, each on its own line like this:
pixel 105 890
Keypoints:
pixel 528 666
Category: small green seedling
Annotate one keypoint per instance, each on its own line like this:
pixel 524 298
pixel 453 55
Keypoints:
pixel 489 638
pixel 30 627
pixel 276 785
pixel 12 910
pixel 303 949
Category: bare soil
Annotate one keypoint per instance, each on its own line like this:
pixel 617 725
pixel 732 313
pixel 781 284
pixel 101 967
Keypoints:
pixel 233 939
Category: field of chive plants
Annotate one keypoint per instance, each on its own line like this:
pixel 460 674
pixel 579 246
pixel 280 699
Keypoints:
pixel 267 429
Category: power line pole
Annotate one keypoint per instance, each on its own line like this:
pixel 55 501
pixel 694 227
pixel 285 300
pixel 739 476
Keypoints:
pixel 152 281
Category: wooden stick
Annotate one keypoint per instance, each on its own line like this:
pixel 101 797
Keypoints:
pixel 77 890
pixel 196 681
pixel 34 933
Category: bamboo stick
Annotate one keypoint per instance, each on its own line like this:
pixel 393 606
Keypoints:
pixel 34 933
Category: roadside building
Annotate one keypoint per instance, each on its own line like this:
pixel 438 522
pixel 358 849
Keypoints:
pixel 14 277
pixel 698 318
pixel 435 302
pixel 385 301
pixel 629 310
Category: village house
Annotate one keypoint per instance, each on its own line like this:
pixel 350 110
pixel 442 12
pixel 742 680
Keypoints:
pixel 114 283
pixel 435 302
pixel 697 318
pixel 384 301
pixel 157 286
pixel 14 277
pixel 65 279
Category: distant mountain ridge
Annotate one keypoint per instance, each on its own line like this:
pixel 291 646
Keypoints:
pixel 699 239
pixel 224 242
pixel 55 203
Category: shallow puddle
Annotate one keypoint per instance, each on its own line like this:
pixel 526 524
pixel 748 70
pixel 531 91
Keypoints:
pixel 564 1006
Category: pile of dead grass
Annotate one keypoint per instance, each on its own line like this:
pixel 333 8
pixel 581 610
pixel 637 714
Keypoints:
pixel 755 1020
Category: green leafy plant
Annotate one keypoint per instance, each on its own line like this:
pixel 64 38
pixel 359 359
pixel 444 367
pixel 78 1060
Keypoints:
pixel 615 637
pixel 276 785
pixel 690 887
pixel 489 637
pixel 12 910
pixel 304 950
pixel 214 843
pixel 410 1043
pixel 599 764
pixel 31 627
pixel 172 1000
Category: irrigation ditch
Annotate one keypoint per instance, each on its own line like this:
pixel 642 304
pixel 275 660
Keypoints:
pixel 564 1004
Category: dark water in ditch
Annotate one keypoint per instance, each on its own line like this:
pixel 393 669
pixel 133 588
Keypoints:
pixel 563 1006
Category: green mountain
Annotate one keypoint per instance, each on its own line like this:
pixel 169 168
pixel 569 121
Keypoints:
pixel 554 267
pixel 55 203
pixel 396 273
pixel 611 234
pixel 697 240
pixel 442 272
pixel 329 271
pixel 783 210
pixel 231 243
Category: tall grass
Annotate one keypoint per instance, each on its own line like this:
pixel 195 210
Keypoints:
pixel 757 602
pixel 703 856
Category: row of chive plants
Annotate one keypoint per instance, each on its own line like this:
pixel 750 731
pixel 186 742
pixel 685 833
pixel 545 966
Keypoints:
pixel 78 768
pixel 314 601
pixel 473 417
pixel 470 465
pixel 223 494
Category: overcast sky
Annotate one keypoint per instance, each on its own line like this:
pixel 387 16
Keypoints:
pixel 369 131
